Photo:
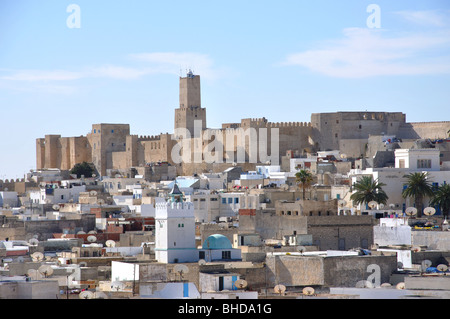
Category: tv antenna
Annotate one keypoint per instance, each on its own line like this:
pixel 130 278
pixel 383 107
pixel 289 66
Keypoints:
pixel 181 269
pixel 279 289
pixel 240 284
pixel 301 249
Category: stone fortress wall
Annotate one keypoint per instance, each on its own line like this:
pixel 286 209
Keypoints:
pixel 111 146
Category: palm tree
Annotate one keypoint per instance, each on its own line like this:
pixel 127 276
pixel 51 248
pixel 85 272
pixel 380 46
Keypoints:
pixel 442 198
pixel 367 189
pixel 304 178
pixel 419 187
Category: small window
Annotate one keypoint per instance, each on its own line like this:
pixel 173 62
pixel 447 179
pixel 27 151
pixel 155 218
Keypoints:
pixel 360 126
pixel 236 200
pixel 112 131
pixel 224 200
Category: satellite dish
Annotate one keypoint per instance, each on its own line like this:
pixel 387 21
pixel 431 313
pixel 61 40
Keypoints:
pixel 308 291
pixel 425 264
pixel 279 289
pixel 55 207
pixel 37 256
pixel 20 259
pixel 82 264
pixel 92 232
pixel 342 203
pixel 117 285
pixel 33 242
pixel 372 204
pixel 202 262
pixel 33 274
pixel 181 269
pixel 399 265
pixel 429 211
pixel 45 270
pixel 416 249
pixel 110 243
pixel 100 202
pixel 92 193
pixel 364 284
pixel 81 232
pixel 91 239
pixel 301 249
pixel 400 286
pixel 385 285
pixel 411 211
pixel 63 235
pixel 86 294
pixel 240 284
pixel 100 295
pixel 381 205
pixel 442 267
pixel 391 206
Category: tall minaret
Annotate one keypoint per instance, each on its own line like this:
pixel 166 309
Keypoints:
pixel 190 109
pixel 175 230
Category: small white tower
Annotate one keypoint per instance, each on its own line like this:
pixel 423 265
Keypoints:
pixel 175 230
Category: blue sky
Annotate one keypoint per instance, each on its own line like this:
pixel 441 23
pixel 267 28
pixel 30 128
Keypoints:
pixel 282 60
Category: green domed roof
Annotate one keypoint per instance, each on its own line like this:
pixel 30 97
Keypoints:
pixel 217 241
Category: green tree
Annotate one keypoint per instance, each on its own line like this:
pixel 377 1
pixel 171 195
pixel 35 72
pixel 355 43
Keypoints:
pixel 367 189
pixel 304 178
pixel 82 169
pixel 442 198
pixel 418 186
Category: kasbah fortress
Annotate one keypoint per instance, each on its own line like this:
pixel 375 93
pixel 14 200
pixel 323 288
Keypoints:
pixel 112 149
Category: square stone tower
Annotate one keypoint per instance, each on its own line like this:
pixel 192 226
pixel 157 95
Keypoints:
pixel 190 109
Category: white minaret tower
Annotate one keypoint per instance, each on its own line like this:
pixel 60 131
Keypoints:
pixel 175 230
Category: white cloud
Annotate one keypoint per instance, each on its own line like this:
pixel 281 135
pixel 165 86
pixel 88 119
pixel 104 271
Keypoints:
pixel 364 52
pixel 173 62
pixel 143 64
pixel 424 18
